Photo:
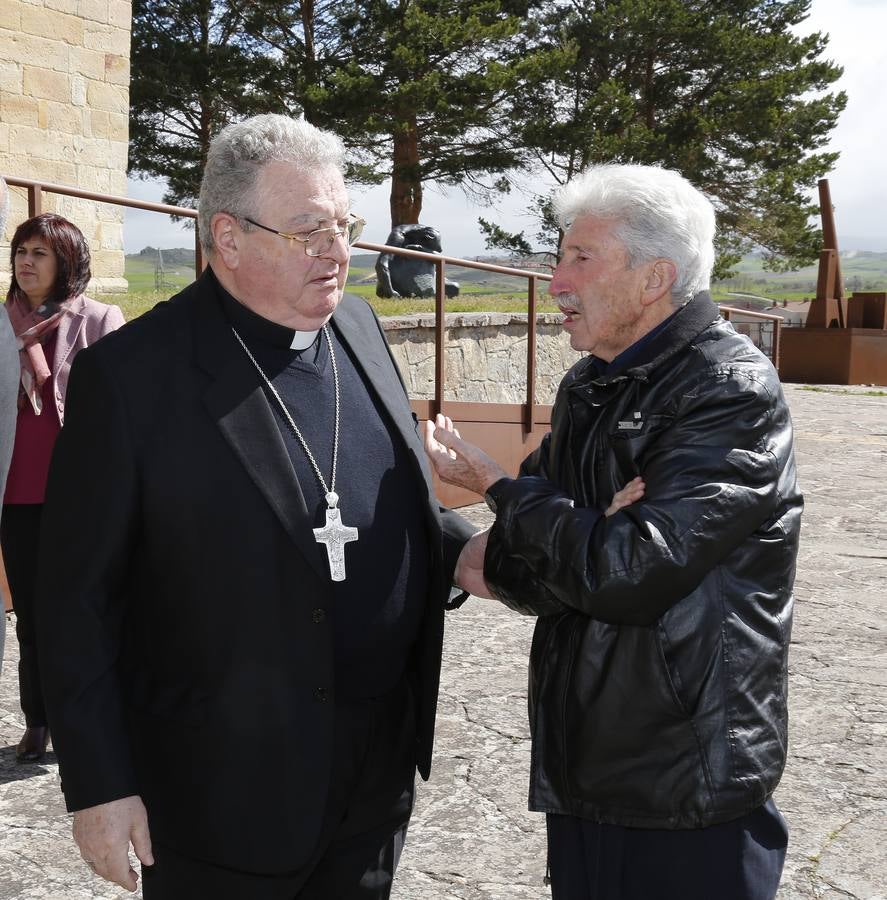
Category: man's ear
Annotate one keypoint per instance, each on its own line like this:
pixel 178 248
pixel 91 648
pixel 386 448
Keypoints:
pixel 661 275
pixel 226 239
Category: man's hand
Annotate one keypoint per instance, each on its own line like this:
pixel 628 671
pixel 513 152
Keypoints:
pixel 631 493
pixel 469 573
pixel 104 832
pixel 458 462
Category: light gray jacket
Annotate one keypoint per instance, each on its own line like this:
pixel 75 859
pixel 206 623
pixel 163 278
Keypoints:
pixel 9 378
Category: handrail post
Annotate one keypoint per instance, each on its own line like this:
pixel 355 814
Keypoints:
pixel 777 337
pixel 531 355
pixel 35 199
pixel 727 312
pixel 440 337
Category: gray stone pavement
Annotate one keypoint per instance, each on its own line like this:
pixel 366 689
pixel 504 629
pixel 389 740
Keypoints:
pixel 472 837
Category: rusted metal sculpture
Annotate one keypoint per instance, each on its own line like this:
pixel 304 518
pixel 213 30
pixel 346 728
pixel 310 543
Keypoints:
pixel 828 309
pixel 844 340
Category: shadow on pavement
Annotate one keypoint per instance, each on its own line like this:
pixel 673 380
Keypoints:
pixel 11 770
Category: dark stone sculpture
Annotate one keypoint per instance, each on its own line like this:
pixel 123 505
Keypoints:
pixel 400 276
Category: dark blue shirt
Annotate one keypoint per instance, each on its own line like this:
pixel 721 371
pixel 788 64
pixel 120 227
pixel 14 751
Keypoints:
pixel 625 359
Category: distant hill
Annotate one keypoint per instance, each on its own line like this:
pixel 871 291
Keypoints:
pixel 862 270
pixel 176 256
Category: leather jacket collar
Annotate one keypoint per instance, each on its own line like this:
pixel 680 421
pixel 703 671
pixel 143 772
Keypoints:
pixel 689 321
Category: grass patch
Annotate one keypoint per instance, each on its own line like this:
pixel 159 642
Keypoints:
pixel 720 294
pixel 134 304
pixel 463 303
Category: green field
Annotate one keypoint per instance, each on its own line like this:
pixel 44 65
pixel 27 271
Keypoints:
pixel 481 291
pixel 147 288
pixel 861 271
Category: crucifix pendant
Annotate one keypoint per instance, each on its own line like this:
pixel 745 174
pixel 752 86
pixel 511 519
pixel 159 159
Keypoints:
pixel 335 535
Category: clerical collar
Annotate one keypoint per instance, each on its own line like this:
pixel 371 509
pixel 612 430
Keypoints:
pixel 250 324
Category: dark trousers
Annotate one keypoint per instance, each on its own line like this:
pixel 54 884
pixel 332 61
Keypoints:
pixel 738 860
pixel 364 824
pixel 19 537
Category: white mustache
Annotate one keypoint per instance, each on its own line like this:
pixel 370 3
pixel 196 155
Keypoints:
pixel 567 300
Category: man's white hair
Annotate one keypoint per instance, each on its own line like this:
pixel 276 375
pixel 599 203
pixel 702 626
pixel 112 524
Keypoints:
pixel 238 153
pixel 657 213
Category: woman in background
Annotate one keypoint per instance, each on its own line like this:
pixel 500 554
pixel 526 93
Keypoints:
pixel 53 319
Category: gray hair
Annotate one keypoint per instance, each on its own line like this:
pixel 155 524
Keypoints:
pixel 658 213
pixel 4 206
pixel 238 153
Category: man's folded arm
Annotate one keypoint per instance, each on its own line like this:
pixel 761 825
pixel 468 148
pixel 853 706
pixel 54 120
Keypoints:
pixel 711 480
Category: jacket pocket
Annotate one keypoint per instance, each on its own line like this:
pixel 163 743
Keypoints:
pixel 630 747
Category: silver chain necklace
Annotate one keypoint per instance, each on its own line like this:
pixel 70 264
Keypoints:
pixel 335 534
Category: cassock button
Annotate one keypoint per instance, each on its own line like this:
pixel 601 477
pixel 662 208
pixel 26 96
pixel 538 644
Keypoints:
pixel 318 615
pixel 320 695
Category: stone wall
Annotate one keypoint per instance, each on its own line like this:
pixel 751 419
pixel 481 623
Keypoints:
pixel 486 355
pixel 64 116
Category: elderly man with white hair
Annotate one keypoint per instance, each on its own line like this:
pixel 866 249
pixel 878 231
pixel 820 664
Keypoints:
pixel 659 663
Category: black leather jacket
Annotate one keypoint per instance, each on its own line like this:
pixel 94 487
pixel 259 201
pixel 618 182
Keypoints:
pixel 658 669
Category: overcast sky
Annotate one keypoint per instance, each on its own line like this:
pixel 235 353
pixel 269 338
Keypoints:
pixel 858 183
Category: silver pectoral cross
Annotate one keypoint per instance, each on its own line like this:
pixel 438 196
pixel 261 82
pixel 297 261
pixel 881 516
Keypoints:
pixel 335 535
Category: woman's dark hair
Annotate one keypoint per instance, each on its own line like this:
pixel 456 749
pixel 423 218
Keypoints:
pixel 71 252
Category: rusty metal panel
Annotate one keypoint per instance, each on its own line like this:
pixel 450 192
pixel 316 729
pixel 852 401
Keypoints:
pixel 498 428
pixel 815 355
pixel 855 311
pixel 834 356
pixel 462 411
pixel 874 308
pixel 507 442
pixel 868 356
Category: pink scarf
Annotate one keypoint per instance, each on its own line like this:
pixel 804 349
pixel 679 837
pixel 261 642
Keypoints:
pixel 32 327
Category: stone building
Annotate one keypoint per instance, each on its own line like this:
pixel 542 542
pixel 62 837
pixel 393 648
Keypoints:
pixel 64 116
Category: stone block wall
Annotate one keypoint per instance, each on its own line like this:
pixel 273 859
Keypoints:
pixel 64 117
pixel 485 356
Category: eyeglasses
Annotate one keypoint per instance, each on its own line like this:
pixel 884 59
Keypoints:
pixel 318 242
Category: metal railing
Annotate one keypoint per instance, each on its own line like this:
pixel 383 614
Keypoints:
pixel 36 189
pixel 728 311
pixel 440 263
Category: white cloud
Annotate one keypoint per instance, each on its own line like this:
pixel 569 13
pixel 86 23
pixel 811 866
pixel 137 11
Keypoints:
pixel 858 183
pixel 143 229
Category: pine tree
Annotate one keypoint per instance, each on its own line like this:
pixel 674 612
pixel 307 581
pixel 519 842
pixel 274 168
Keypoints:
pixel 194 69
pixel 724 91
pixel 416 88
